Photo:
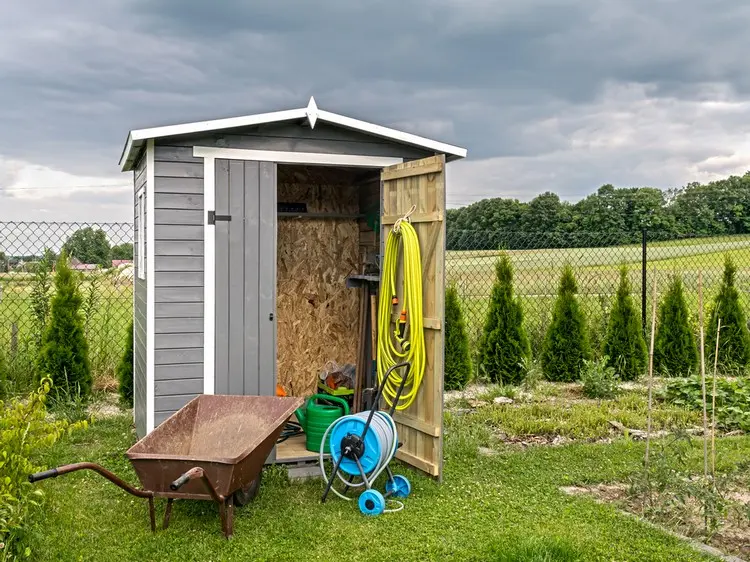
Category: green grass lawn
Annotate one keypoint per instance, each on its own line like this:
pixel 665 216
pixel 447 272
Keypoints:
pixel 106 315
pixel 505 506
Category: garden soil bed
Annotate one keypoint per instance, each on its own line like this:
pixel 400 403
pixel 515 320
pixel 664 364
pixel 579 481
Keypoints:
pixel 732 538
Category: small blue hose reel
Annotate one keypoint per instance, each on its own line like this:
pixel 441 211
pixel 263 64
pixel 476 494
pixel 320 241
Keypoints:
pixel 363 445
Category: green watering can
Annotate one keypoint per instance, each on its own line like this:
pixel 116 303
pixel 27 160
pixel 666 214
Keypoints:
pixel 315 419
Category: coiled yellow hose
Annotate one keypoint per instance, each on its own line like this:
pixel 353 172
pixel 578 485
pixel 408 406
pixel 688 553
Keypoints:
pixel 406 341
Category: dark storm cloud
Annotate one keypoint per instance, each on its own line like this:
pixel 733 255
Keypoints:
pixel 528 86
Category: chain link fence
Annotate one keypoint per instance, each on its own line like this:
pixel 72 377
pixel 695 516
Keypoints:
pixel 538 260
pixel 101 254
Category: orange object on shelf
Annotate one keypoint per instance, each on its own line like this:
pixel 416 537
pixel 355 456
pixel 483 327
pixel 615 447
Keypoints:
pixel 280 390
pixel 331 382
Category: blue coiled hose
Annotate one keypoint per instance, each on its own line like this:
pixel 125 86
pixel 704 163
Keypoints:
pixel 381 443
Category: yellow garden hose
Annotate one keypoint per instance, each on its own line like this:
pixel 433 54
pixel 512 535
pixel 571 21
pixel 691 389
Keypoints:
pixel 406 341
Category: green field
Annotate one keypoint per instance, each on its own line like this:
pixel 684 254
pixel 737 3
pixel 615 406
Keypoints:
pixel 107 310
pixel 597 272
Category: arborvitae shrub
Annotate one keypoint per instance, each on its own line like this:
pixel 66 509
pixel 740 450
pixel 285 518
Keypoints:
pixel 624 345
pixel 566 344
pixel 675 349
pixel 504 347
pixel 457 358
pixel 734 339
pixel 64 356
pixel 125 370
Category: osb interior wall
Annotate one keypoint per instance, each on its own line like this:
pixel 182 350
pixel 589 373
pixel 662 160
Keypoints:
pixel 317 314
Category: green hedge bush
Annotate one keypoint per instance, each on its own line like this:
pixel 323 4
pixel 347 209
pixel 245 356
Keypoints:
pixel 64 356
pixel 566 345
pixel 125 369
pixel 734 339
pixel 675 349
pixel 504 347
pixel 624 345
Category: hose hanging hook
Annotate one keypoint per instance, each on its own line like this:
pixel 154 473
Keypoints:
pixel 406 217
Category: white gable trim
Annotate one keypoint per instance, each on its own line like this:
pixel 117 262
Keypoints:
pixel 388 133
pixel 311 114
pixel 285 157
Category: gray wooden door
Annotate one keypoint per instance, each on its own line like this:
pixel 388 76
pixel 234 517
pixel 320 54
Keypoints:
pixel 245 277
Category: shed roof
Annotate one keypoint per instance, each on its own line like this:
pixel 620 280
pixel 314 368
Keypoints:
pixel 310 114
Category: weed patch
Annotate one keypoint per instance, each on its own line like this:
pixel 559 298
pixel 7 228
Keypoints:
pixel 732 400
pixel 599 379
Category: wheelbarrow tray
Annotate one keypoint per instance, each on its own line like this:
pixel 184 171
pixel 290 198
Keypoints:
pixel 229 437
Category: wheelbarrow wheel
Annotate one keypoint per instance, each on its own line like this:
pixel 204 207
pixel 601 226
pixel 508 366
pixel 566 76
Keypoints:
pixel 245 495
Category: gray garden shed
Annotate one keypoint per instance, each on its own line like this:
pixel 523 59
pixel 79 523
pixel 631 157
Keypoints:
pixel 245 231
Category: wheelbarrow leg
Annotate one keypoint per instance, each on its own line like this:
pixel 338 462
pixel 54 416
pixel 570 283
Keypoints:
pixel 226 505
pixel 167 513
pixel 152 514
pixel 228 520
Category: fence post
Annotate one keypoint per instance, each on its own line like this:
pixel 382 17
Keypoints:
pixel 644 266
pixel 13 339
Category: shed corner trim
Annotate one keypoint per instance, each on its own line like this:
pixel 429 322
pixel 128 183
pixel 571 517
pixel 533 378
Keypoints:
pixel 150 292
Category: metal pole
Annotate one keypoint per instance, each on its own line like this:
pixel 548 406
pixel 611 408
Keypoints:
pixel 644 265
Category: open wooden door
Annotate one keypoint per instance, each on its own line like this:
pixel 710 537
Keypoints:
pixel 422 183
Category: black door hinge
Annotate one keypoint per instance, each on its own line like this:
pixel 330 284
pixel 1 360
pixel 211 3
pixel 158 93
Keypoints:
pixel 213 217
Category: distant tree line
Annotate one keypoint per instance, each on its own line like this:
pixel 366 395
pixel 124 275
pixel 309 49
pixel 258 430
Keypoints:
pixel 87 245
pixel 611 216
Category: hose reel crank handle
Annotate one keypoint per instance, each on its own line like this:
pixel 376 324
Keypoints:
pixel 381 388
pixel 400 388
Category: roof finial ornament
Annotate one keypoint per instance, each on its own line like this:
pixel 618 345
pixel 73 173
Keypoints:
pixel 312 112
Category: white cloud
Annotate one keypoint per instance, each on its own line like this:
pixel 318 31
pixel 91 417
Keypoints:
pixel 30 191
pixel 625 138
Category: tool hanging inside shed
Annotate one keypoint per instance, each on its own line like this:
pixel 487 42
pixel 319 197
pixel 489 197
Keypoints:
pixel 406 342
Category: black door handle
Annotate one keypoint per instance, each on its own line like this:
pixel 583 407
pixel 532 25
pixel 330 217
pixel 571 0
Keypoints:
pixel 270 317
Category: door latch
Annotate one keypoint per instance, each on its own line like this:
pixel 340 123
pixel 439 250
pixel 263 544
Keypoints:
pixel 270 317
pixel 213 217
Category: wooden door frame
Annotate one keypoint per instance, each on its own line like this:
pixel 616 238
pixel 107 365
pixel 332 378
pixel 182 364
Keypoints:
pixel 210 155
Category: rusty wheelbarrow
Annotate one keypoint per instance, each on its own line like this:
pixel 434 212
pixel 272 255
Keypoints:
pixel 213 448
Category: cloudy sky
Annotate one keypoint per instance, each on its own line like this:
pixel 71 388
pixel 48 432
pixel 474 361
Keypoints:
pixel 561 95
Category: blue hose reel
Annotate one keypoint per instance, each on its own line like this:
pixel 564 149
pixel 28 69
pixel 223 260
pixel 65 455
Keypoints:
pixel 362 446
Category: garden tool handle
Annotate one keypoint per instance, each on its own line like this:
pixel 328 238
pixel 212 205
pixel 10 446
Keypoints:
pixel 194 474
pixel 191 474
pixel 67 468
pixel 37 476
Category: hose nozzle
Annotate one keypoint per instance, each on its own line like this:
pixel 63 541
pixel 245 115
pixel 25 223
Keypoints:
pixel 402 324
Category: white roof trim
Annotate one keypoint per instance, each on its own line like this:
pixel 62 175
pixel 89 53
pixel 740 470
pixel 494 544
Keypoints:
pixel 136 139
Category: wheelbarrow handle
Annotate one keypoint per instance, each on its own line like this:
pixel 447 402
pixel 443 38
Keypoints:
pixel 193 474
pixel 65 469
pixel 37 476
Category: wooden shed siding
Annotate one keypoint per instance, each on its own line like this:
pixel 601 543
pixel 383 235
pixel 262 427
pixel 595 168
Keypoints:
pixel 178 247
pixel 140 325
pixel 178 232
pixel 179 340
pixel 290 137
pixel 172 387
